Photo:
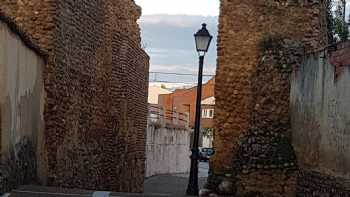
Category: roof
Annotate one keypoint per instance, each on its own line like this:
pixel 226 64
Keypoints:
pixel 27 40
pixel 209 101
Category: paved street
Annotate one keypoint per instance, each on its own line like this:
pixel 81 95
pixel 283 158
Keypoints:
pixel 174 184
pixel 162 185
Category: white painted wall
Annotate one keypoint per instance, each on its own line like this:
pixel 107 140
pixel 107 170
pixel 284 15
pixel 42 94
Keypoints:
pixel 21 92
pixel 167 151
pixel 207 142
pixel 154 92
pixel 320 111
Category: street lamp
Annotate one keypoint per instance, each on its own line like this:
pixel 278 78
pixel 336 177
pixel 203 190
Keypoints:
pixel 203 39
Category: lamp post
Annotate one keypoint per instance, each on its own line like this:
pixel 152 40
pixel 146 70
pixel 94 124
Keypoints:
pixel 203 39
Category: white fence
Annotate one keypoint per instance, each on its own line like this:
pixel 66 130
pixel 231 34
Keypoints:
pixel 168 142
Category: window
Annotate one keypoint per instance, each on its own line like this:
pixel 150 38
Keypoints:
pixel 207 113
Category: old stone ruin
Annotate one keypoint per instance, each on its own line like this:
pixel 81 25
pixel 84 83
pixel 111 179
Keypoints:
pixel 281 115
pixel 74 109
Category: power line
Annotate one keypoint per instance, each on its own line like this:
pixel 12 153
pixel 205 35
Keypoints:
pixel 181 74
pixel 164 81
pixel 163 77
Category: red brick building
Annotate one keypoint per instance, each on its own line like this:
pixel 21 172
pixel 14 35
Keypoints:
pixel 208 112
pixel 184 101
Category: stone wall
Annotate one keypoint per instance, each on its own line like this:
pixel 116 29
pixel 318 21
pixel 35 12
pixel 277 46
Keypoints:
pixel 252 89
pixel 33 16
pixel 96 85
pixel 167 150
pixel 38 18
pixel 321 122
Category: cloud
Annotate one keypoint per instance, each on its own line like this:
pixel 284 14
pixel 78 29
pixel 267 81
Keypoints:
pixel 176 20
pixel 191 7
pixel 170 44
pixel 173 68
pixel 171 73
pixel 163 51
pixel 186 69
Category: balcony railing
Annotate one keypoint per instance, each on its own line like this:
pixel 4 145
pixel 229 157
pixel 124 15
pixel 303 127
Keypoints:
pixel 165 118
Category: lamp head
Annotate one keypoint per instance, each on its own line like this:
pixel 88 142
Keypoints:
pixel 203 39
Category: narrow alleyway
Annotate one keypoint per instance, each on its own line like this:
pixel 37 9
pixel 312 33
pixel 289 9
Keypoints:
pixel 174 184
pixel 161 185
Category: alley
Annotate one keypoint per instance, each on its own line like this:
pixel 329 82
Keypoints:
pixel 103 98
pixel 161 185
pixel 174 184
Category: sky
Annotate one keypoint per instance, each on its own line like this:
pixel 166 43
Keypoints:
pixel 167 29
pixel 175 7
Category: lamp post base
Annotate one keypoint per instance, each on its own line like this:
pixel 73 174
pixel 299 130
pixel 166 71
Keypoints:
pixel 192 188
pixel 192 192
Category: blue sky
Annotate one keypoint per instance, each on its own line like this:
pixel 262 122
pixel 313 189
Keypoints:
pixel 167 28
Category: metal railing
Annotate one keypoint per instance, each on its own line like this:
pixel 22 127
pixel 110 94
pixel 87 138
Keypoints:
pixel 157 115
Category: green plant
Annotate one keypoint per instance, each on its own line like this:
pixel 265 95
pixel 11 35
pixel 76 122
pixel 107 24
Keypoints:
pixel 208 132
pixel 330 21
pixel 338 29
pixel 341 28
